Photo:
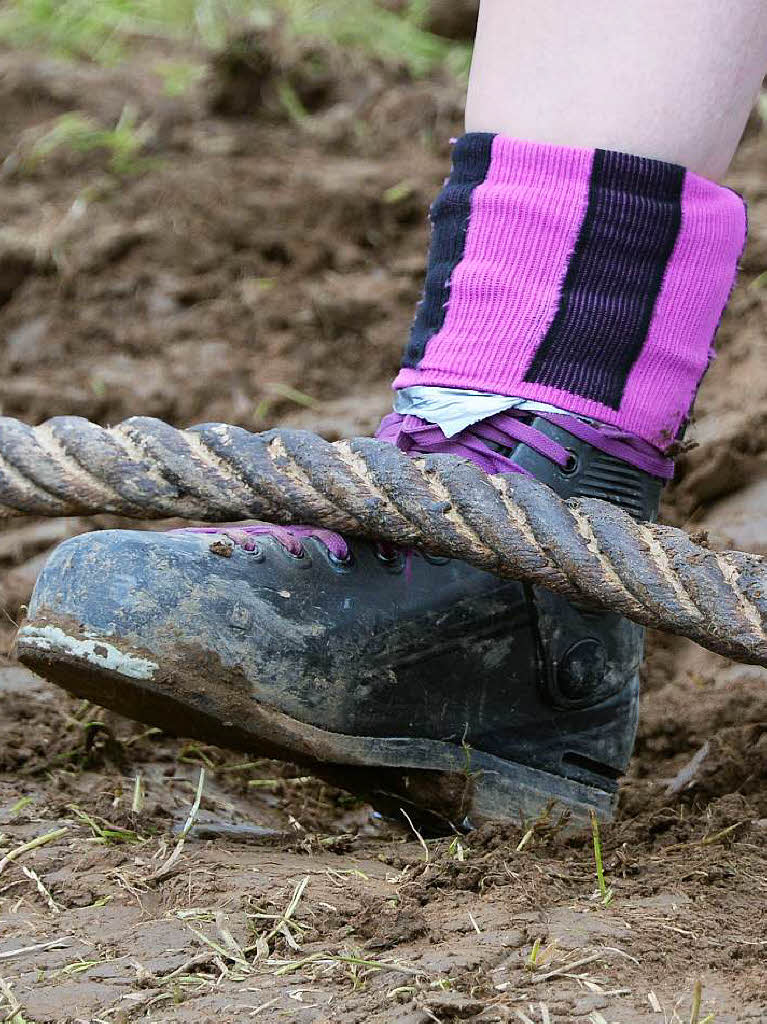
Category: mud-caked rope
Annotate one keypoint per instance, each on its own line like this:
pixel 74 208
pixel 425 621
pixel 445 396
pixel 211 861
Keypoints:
pixel 586 550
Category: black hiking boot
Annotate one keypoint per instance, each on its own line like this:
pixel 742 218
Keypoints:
pixel 417 682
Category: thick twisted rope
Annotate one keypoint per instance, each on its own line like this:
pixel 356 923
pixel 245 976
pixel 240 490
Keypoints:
pixel 586 550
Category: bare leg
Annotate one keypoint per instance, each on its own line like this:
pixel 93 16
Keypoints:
pixel 673 81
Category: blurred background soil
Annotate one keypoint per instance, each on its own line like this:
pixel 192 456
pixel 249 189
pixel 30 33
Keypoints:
pixel 217 211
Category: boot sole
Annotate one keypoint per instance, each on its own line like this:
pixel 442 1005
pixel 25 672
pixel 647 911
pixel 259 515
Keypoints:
pixel 445 786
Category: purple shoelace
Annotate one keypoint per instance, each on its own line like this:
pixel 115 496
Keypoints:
pixel 290 537
pixel 415 436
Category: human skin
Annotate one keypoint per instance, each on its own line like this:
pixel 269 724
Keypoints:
pixel 669 79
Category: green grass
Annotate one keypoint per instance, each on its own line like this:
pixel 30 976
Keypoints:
pixel 364 26
pixel 605 893
pixel 100 30
pixel 179 76
pixel 102 831
pixel 105 30
pixel 123 143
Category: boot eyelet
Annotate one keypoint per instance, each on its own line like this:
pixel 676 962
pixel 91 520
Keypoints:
pixel 389 559
pixel 573 463
pixel 341 563
pixel 436 559
pixel 256 553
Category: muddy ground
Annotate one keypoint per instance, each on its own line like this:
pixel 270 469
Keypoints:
pixel 252 260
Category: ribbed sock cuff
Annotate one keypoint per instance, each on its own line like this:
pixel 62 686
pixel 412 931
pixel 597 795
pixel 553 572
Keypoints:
pixel 584 278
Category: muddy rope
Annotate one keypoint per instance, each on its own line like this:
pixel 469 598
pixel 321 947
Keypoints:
pixel 586 550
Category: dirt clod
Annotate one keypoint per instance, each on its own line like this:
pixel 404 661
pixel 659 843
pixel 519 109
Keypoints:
pixel 223 548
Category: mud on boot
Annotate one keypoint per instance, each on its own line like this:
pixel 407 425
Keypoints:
pixel 414 681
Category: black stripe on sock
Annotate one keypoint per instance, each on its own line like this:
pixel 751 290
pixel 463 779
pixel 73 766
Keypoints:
pixel 450 214
pixel 613 278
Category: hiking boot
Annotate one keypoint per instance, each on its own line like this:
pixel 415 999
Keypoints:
pixel 415 681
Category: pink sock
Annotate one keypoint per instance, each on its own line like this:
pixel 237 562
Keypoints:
pixel 587 279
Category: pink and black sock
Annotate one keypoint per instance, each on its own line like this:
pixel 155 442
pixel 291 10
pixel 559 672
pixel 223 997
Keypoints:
pixel 589 280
